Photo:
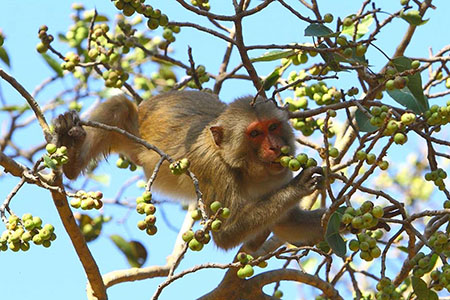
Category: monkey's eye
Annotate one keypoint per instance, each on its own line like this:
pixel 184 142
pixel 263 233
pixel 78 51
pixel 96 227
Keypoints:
pixel 255 133
pixel 273 126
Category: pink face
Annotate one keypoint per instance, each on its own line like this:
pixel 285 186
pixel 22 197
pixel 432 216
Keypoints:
pixel 265 138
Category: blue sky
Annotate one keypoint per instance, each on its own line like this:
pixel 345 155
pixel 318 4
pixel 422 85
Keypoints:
pixel 56 273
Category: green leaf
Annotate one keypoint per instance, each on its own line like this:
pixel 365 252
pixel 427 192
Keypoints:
pixel 90 228
pixel 122 244
pixel 364 122
pixel 107 93
pixel 103 179
pixel 403 63
pixel 4 56
pixel 134 251
pixel 309 264
pixel 89 14
pixel 48 161
pixel 363 27
pixel 407 99
pixel 432 263
pixel 413 17
pixel 63 38
pixel 333 237
pixel 319 30
pixel 422 291
pixel 271 79
pixel 18 108
pixel 53 64
pixel 403 249
pixel 274 55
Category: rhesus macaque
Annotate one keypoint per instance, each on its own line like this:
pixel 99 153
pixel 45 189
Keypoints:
pixel 232 149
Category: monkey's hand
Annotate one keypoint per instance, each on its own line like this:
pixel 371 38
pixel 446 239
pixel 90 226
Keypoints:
pixel 310 180
pixel 68 129
pixel 72 135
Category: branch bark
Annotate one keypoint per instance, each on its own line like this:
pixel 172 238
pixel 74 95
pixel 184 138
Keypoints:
pixel 79 243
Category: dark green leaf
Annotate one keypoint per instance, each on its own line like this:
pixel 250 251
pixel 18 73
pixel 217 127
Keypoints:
pixel 422 291
pixel 53 64
pixel 413 17
pixel 364 122
pixel 420 288
pixel 432 294
pixel 271 79
pixel 4 56
pixel 363 27
pixel 139 254
pixel 135 252
pixel 333 237
pixel 341 210
pixel 403 249
pixel 62 37
pixel 407 99
pixel 403 63
pixel 319 30
pixel 274 55
pixel 48 161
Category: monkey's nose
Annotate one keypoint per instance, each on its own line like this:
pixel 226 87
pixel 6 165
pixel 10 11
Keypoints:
pixel 274 151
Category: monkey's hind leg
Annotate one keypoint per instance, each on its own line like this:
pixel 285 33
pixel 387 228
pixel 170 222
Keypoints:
pixel 87 143
pixel 300 227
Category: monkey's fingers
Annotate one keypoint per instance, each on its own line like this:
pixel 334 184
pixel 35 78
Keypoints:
pixel 309 172
pixel 311 178
pixel 65 121
pixel 67 126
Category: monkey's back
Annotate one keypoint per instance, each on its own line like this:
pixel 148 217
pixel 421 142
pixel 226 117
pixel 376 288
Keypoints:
pixel 176 115
pixel 173 122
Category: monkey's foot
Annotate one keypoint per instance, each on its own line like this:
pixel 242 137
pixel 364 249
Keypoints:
pixel 68 129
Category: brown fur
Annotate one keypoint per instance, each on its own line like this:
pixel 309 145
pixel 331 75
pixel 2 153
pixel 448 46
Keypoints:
pixel 190 124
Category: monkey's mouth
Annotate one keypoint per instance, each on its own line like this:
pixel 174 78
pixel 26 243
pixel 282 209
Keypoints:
pixel 276 161
pixel 276 165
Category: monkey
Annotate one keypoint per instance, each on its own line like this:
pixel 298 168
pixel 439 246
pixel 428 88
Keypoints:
pixel 233 149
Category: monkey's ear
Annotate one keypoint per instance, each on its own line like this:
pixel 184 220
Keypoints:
pixel 217 134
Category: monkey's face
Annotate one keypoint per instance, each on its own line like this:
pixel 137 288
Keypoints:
pixel 266 138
